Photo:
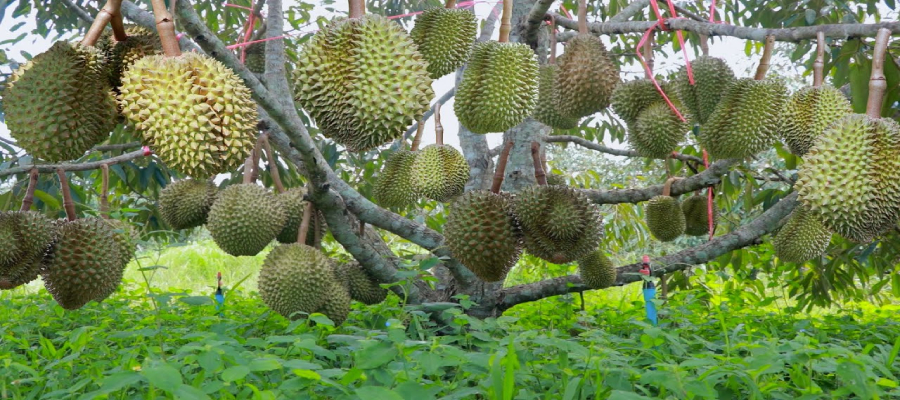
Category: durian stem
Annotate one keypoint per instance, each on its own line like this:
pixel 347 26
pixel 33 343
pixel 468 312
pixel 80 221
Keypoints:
pixel 165 26
pixel 68 204
pixel 304 223
pixel 582 16
pixel 544 160
pixel 110 13
pixel 29 193
pixel 877 82
pixel 766 57
pixel 257 154
pixel 273 166
pixel 317 233
pixel 704 44
pixel 450 4
pixel 438 128
pixel 500 171
pixel 648 55
pixel 505 26
pixel 667 188
pixel 819 63
pixel 357 8
pixel 418 138
pixel 552 59
pixel 104 191
pixel 248 170
pixel 539 173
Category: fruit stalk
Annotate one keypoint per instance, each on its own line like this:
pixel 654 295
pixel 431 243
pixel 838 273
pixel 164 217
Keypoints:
pixel 552 59
pixel 648 55
pixel 110 13
pixel 766 57
pixel 29 193
pixel 257 154
pixel 357 8
pixel 165 26
pixel 667 187
pixel 819 63
pixel 68 204
pixel 273 167
pixel 248 170
pixel 582 16
pixel 104 191
pixel 877 81
pixel 539 174
pixel 704 45
pixel 304 223
pixel 501 168
pixel 450 4
pixel 505 26
pixel 438 128
pixel 418 138
pixel 317 233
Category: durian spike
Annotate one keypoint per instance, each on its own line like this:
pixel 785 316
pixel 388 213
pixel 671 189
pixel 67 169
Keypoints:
pixel 450 4
pixel 539 174
pixel 819 63
pixel 704 44
pixel 500 171
pixel 766 57
pixel 68 204
pixel 273 167
pixel 357 8
pixel 29 193
pixel 165 26
pixel 667 187
pixel 582 16
pixel 104 191
pixel 648 55
pixel 877 82
pixel 552 59
pixel 304 223
pixel 438 128
pixel 505 26
pixel 110 13
pixel 418 138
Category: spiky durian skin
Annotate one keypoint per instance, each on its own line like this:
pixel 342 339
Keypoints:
pixel 586 77
pixel 337 304
pixel 394 186
pixel 363 81
pixel 444 37
pixel 120 56
pixel 664 218
pixel 359 284
pixel 802 237
pixel 556 180
pixel 545 109
pixel 808 113
pixel 256 57
pixel 747 120
pixel 194 112
pixel 124 239
pixel 632 97
pixel 499 87
pixel 560 224
pixel 658 131
pixel 294 204
pixel 850 179
pixel 244 219
pixel 33 233
pixel 696 215
pixel 439 172
pixel 9 245
pixel 711 77
pixel 83 264
pixel 296 277
pixel 483 234
pixel 58 105
pixel 597 271
pixel 185 204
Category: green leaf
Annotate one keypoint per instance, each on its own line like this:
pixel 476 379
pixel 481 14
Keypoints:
pixel 620 395
pixel 235 373
pixel 375 356
pixel 49 200
pixel 196 300
pixel 377 392
pixel 264 364
pixel 305 373
pixel 163 376
pixel 190 393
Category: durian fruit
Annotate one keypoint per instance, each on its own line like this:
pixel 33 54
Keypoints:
pixel 482 233
pixel 359 284
pixel 439 172
pixel 293 203
pixel 120 56
pixel 664 216
pixel 194 112
pixel 545 110
pixel 630 98
pixel 83 264
pixel 9 245
pixel 802 237
pixel 185 204
pixel 747 119
pixel 245 218
pixel 499 87
pixel 337 304
pixel 393 187
pixel 808 113
pixel 444 37
pixel 32 235
pixel 363 81
pixel 657 131
pixel 124 238
pixel 711 77
pixel 696 215
pixel 256 57
pixel 586 78
pixel 597 271
pixel 58 105
pixel 850 179
pixel 560 224
pixel 556 180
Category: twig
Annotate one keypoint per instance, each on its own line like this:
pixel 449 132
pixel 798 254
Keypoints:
pixel 74 167
pixel 630 11
pixel 501 168
pixel 615 152
pixel 765 59
pixel 114 147
pixel 104 191
pixel 304 223
pixel 539 175
pixel 29 193
pixel 877 82
pixel 273 166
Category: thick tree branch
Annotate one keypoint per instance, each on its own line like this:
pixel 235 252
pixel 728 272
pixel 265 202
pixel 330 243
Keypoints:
pixel 532 22
pixel 630 11
pixel 608 150
pixel 74 167
pixel 706 178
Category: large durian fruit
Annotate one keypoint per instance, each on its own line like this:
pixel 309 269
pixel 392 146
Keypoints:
pixel 293 202
pixel 657 131
pixel 59 104
pixel 586 78
pixel 194 112
pixel 545 109
pixel 439 172
pixel 26 237
pixel 850 179
pixel 802 237
pixel 359 284
pixel 245 218
pixel 747 119
pixel 808 113
pixel 444 37
pixel 483 234
pixel 120 56
pixel 664 218
pixel 363 81
pixel 560 224
pixel 630 98
pixel 696 215
pixel 393 187
pixel 499 87
pixel 711 77
pixel 597 271
pixel 185 204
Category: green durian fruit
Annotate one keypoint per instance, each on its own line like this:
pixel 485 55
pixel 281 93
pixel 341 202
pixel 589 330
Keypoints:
pixel 560 224
pixel 850 179
pixel 711 77
pixel 664 218
pixel 244 219
pixel 9 244
pixel 439 172
pixel 802 238
pixel 297 278
pixel 124 239
pixel 444 37
pixel 556 180
pixel 255 57
pixel 185 204
pixel 632 97
pixel 337 303
pixel 363 81
pixel 83 264
pixel 499 87
pixel 586 78
pixel 482 233
pixel 545 110
pixel 658 131
pixel 293 203
pixel 597 271
pixel 58 105
pixel 194 112
pixel 32 235
pixel 808 113
pixel 359 284
pixel 747 119
pixel 393 187
pixel 696 215
pixel 141 42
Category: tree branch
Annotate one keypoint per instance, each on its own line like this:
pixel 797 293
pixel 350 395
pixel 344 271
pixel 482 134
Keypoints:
pixel 115 147
pixel 630 11
pixel 74 167
pixel 532 22
pixel 415 126
pixel 78 11
pixel 706 178
pixel 616 152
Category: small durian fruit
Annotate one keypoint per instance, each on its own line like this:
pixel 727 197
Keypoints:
pixel 444 37
pixel 363 81
pixel 632 97
pixel 194 112
pixel 393 187
pixel 293 203
pixel 83 264
pixel 711 77
pixel 359 284
pixel 808 113
pixel 483 234
pixel 32 235
pixel 244 219
pixel 256 57
pixel 58 105
pixel 185 204
pixel 586 78
pixel 560 224
pixel 297 278
pixel 747 119
pixel 696 215
pixel 664 216
pixel 802 238
pixel 597 271
pixel 439 172
pixel 545 110
pixel 658 131
pixel 120 56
